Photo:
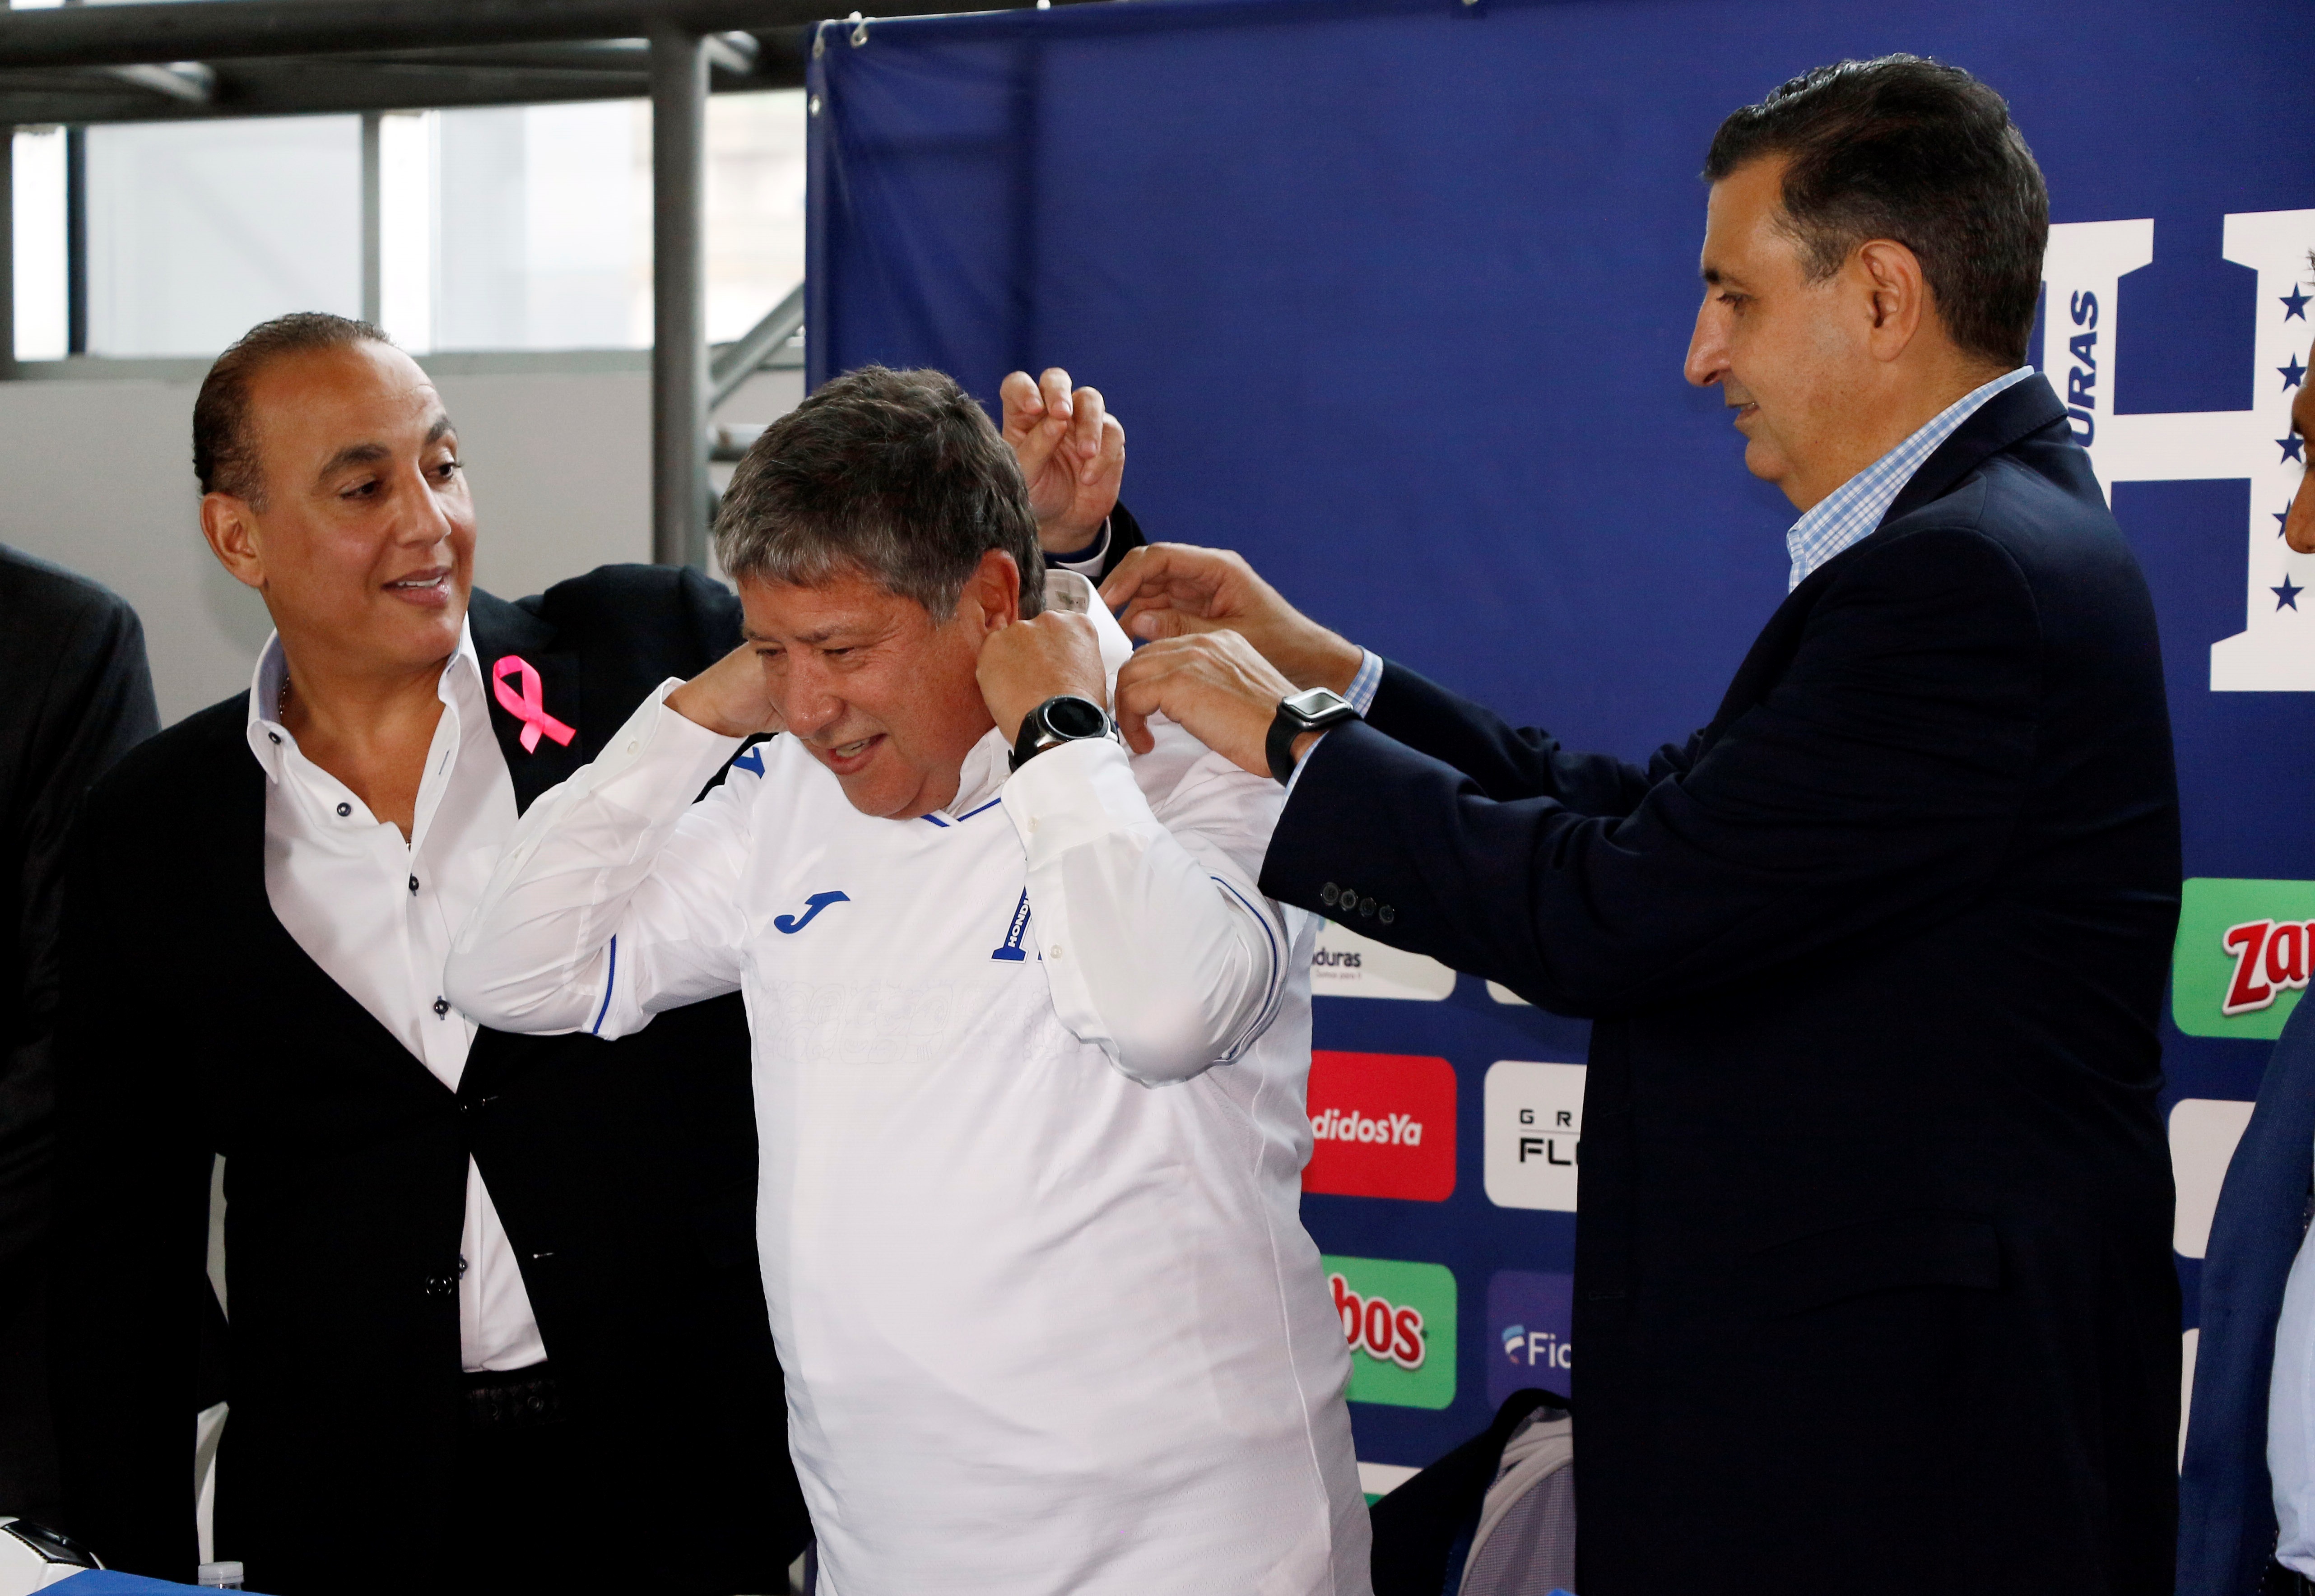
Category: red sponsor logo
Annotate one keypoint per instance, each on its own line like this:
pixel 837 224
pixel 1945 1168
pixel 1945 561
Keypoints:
pixel 1377 1327
pixel 2270 958
pixel 1381 1125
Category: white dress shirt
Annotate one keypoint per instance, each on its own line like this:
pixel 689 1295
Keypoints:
pixel 377 914
pixel 1037 1275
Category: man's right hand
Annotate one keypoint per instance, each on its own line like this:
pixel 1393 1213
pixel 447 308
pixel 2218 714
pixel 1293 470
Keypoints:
pixel 1172 590
pixel 731 697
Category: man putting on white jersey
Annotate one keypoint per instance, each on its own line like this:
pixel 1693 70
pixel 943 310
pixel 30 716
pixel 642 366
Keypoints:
pixel 1030 1045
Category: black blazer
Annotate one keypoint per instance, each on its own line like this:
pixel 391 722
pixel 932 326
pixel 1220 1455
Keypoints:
pixel 625 1172
pixel 75 696
pixel 1872 1266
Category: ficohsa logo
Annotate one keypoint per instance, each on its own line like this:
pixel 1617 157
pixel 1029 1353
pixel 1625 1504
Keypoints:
pixel 1381 1125
pixel 1377 1328
pixel 1398 1319
pixel 2244 953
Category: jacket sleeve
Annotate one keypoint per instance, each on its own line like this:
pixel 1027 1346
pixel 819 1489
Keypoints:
pixel 1507 764
pixel 1874 784
pixel 131 1230
pixel 96 705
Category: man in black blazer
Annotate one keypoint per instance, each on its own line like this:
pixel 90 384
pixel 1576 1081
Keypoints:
pixel 497 1321
pixel 1875 960
pixel 75 696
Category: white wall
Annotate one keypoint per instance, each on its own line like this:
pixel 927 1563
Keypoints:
pixel 99 478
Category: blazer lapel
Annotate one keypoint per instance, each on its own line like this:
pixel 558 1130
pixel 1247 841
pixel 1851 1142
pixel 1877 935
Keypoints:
pixel 507 634
pixel 2015 413
pixel 2010 416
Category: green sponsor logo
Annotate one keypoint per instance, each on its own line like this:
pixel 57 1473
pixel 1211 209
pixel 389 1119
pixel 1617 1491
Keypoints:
pixel 2244 948
pixel 1399 1320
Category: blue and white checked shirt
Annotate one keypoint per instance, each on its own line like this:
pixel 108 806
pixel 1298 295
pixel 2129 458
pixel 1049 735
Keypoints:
pixel 1855 508
pixel 1847 514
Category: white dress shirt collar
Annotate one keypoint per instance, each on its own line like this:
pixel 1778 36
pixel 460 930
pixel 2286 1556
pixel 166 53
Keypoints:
pixel 265 684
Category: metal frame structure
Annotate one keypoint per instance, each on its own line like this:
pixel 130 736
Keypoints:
pixel 189 59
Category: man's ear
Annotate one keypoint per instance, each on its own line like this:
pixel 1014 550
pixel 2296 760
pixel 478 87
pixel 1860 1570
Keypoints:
pixel 996 588
pixel 231 528
pixel 1899 295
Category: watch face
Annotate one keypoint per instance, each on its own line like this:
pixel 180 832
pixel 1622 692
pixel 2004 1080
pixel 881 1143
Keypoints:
pixel 1314 702
pixel 1074 717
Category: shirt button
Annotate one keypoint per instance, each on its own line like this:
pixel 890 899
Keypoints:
pixel 1386 914
pixel 1366 906
pixel 1328 893
pixel 413 886
pixel 344 809
pixel 274 738
pixel 442 1007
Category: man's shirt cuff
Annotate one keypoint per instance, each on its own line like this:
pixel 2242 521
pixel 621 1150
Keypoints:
pixel 1360 697
pixel 1085 562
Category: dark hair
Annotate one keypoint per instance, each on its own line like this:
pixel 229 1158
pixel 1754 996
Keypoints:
pixel 225 455
pixel 1904 148
pixel 896 474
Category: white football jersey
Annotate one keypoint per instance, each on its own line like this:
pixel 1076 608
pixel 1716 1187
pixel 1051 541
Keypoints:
pixel 1045 1327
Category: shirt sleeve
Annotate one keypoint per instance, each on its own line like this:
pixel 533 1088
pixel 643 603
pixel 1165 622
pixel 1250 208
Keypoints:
pixel 1159 947
pixel 618 896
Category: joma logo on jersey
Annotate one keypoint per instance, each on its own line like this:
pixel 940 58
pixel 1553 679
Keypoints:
pixel 789 925
pixel 2244 953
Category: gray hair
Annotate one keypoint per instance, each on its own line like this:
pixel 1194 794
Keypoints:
pixel 897 475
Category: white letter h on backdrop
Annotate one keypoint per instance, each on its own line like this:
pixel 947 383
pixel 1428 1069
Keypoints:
pixel 2275 649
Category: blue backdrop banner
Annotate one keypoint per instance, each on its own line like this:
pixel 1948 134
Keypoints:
pixel 1392 295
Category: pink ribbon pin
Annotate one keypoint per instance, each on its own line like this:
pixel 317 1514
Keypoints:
pixel 530 708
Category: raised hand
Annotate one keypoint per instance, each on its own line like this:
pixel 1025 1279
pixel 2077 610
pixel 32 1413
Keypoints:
pixel 1173 589
pixel 1029 661
pixel 1072 453
pixel 731 697
pixel 1215 686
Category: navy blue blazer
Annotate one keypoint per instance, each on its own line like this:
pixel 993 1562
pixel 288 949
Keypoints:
pixel 2226 1502
pixel 1873 1264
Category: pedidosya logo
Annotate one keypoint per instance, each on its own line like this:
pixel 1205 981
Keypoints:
pixel 1532 1317
pixel 1399 1321
pixel 1381 1125
pixel 2243 955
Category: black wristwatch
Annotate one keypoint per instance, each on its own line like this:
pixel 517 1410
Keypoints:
pixel 1064 719
pixel 1298 713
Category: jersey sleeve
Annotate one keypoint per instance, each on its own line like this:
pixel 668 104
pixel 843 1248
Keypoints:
pixel 618 897
pixel 1159 947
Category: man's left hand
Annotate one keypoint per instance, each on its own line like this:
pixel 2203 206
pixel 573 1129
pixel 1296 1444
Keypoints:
pixel 1072 454
pixel 1214 685
pixel 1029 661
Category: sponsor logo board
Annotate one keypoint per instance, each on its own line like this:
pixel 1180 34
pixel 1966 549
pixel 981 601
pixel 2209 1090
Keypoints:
pixel 2242 957
pixel 1531 1322
pixel 1381 1125
pixel 1534 1126
pixel 1399 1320
pixel 1345 964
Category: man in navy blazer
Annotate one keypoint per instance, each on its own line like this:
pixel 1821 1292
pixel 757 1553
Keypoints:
pixel 1875 959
